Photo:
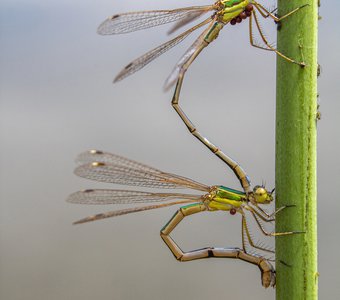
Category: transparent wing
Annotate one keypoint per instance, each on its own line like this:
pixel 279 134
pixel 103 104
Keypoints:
pixel 191 16
pixel 143 60
pixel 105 196
pixel 121 170
pixel 133 21
pixel 106 157
pixel 173 77
pixel 121 212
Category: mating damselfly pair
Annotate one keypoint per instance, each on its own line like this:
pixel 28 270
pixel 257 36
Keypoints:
pixel 106 167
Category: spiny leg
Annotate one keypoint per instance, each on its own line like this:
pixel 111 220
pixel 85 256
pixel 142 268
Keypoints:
pixel 265 13
pixel 272 215
pixel 267 270
pixel 251 36
pixel 250 240
pixel 262 214
pixel 236 168
pixel 264 39
pixel 270 233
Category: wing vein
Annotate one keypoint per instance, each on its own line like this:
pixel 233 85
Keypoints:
pixel 133 21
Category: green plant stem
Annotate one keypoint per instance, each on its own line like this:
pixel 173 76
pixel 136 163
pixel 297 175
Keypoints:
pixel 296 255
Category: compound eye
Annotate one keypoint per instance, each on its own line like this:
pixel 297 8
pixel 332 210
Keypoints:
pixel 261 194
pixel 258 188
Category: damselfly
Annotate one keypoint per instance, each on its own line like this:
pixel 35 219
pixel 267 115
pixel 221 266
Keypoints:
pixel 223 13
pixel 110 168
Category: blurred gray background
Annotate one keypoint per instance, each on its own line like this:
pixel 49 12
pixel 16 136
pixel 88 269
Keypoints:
pixel 57 100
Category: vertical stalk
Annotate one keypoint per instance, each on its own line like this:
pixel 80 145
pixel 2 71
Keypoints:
pixel 296 108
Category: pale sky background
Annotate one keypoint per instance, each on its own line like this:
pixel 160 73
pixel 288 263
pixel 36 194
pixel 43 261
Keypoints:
pixel 57 100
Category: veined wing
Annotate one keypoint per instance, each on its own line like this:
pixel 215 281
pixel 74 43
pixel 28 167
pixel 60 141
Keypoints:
pixel 121 212
pixel 106 157
pixel 192 16
pixel 173 77
pixel 105 196
pixel 133 21
pixel 143 60
pixel 121 170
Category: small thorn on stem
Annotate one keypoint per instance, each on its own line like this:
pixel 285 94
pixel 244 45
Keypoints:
pixel 284 263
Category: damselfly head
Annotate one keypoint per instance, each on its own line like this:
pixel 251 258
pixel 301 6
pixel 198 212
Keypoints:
pixel 262 196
